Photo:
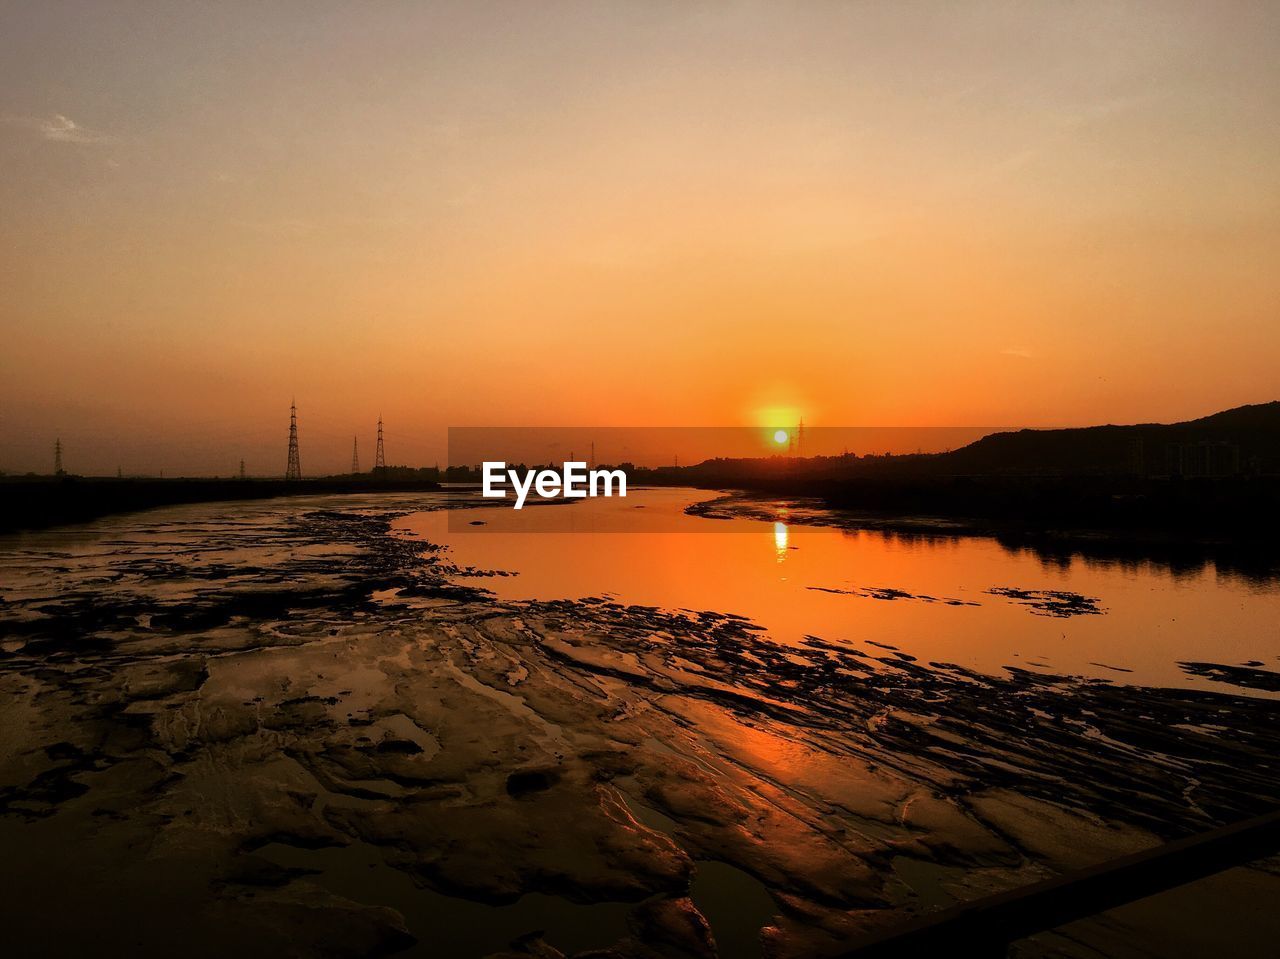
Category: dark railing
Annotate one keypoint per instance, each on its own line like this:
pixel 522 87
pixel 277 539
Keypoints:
pixel 985 927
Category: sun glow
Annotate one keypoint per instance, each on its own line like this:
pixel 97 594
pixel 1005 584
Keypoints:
pixel 780 437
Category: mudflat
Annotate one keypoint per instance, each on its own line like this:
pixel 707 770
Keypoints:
pixel 294 728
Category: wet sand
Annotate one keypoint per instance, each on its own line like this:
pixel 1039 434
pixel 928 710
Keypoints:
pixel 283 730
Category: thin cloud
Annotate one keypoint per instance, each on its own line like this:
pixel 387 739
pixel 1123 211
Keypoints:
pixel 1017 351
pixel 60 128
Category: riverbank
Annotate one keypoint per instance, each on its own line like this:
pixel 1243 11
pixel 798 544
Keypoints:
pixel 29 504
pixel 1245 552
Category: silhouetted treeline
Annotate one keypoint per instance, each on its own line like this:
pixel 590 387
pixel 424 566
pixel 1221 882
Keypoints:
pixel 1235 506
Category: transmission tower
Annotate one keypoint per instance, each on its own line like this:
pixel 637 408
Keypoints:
pixel 355 455
pixel 294 470
pixel 380 457
pixel 242 469
pixel 57 457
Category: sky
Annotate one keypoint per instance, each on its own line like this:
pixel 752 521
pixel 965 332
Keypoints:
pixel 623 214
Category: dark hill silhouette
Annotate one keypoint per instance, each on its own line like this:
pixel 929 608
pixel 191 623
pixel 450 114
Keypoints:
pixel 1261 417
pixel 1253 432
pixel 1217 477
pixel 1241 441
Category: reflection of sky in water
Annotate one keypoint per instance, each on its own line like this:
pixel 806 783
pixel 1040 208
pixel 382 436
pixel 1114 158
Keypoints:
pixel 765 570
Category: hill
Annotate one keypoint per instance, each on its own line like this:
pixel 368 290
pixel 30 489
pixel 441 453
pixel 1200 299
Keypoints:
pixel 1237 441
pixel 1217 477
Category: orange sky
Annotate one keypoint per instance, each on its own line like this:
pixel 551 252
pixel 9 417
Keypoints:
pixel 624 214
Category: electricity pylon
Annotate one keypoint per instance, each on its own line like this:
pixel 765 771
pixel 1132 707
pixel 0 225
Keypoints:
pixel 294 470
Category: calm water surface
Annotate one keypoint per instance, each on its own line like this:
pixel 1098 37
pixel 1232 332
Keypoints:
pixel 774 574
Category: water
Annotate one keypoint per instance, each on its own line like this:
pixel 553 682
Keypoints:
pixel 1150 617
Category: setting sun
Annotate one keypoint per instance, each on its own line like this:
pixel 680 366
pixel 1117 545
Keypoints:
pixel 780 437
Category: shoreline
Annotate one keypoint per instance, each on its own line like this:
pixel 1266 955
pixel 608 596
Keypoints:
pixel 35 504
pixel 1254 557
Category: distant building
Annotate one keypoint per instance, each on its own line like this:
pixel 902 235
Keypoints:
pixel 1205 458
pixel 1137 457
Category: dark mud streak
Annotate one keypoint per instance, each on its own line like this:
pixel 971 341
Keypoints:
pixel 1246 677
pixel 1051 602
pixel 890 593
